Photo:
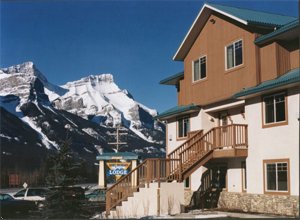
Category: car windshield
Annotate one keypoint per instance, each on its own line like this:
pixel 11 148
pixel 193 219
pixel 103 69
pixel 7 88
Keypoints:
pixel 6 197
pixel 20 193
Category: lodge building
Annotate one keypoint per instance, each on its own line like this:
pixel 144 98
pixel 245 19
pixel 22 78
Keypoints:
pixel 239 93
pixel 233 139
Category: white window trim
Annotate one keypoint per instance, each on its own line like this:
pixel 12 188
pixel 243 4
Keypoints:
pixel 264 110
pixel 232 43
pixel 266 178
pixel 193 72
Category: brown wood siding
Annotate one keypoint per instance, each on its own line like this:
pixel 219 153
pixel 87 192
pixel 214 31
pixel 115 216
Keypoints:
pixel 295 59
pixel 283 60
pixel 219 84
pixel 268 62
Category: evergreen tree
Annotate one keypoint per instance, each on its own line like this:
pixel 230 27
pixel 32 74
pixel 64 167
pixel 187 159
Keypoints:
pixel 63 171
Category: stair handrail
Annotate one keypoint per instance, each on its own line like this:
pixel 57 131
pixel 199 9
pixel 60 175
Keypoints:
pixel 175 170
pixel 179 148
pixel 204 135
pixel 151 175
pixel 213 129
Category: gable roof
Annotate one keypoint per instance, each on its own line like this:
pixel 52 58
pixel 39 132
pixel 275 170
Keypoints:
pixel 172 80
pixel 294 25
pixel 244 16
pixel 291 77
pixel 255 17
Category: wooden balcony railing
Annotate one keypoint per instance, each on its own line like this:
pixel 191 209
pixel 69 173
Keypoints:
pixel 195 137
pixel 151 170
pixel 193 151
pixel 223 137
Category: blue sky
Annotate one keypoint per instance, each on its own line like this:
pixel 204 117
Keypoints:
pixel 133 40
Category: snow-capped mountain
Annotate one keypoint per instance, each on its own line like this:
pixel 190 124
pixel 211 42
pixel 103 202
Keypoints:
pixel 18 80
pixel 98 98
pixel 36 116
pixel 95 97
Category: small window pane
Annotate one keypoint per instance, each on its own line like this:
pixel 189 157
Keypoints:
pixel 186 127
pixel 269 111
pixel 187 182
pixel 244 175
pixel 280 108
pixel 203 67
pixel 183 127
pixel 196 70
pixel 271 176
pixel 238 53
pixel 31 192
pixel 180 128
pixel 230 57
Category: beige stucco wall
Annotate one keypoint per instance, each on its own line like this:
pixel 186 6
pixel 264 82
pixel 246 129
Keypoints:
pixel 205 121
pixel 278 142
pixel 234 175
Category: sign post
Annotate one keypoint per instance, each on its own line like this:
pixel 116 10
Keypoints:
pixel 116 165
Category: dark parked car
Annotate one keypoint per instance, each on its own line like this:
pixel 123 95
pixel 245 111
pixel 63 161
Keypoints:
pixel 96 195
pixel 67 192
pixel 12 208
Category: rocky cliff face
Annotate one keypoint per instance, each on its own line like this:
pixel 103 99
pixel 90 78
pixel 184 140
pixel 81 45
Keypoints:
pixel 99 99
pixel 36 116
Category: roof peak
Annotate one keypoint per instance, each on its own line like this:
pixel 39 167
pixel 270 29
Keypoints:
pixel 248 9
pixel 241 15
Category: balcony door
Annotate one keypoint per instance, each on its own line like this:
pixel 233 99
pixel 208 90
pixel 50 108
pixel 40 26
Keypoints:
pixel 222 135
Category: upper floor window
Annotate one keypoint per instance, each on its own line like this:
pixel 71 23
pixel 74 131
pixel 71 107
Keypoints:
pixel 183 127
pixel 274 108
pixel 234 54
pixel 199 69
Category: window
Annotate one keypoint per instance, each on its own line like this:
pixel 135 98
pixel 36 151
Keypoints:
pixel 244 176
pixel 20 193
pixel 199 69
pixel 276 176
pixel 187 183
pixel 36 192
pixel 274 108
pixel 183 127
pixel 234 54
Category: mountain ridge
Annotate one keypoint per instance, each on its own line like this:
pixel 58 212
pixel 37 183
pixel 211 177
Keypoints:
pixel 86 110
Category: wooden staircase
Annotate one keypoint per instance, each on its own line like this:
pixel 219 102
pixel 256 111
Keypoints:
pixel 223 141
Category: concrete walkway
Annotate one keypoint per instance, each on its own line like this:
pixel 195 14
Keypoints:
pixel 220 214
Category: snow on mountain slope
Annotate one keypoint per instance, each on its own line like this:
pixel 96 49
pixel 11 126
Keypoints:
pixel 48 143
pixel 19 79
pixel 98 96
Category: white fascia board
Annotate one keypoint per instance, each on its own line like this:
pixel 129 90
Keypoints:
pixel 214 9
pixel 188 33
pixel 226 106
pixel 228 15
